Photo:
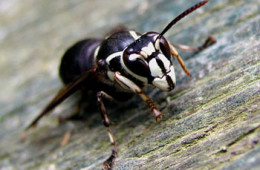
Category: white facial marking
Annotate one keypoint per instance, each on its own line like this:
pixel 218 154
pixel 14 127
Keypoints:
pixel 144 54
pixel 133 57
pixel 155 69
pixel 134 35
pixel 162 83
pixel 172 74
pixel 157 44
pixel 149 49
pixel 155 37
pixel 141 78
pixel 165 61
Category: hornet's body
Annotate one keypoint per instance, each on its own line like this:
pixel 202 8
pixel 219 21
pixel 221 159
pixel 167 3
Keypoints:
pixel 114 55
pixel 120 66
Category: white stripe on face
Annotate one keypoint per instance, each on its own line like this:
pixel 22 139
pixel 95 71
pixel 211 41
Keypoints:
pixel 162 83
pixel 149 49
pixel 133 57
pixel 172 74
pixel 156 71
pixel 157 44
pixel 165 61
pixel 143 79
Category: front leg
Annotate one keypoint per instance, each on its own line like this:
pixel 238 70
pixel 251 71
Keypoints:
pixel 130 85
pixel 109 162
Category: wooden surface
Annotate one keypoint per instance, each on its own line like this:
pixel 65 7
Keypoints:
pixel 211 121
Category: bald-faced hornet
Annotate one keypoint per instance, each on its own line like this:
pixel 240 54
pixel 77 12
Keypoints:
pixel 119 66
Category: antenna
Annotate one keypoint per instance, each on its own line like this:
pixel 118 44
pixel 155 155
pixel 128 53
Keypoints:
pixel 182 15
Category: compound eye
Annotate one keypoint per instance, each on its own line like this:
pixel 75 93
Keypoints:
pixel 141 68
pixel 164 46
pixel 136 64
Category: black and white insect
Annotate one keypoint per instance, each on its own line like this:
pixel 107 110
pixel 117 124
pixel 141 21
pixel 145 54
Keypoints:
pixel 119 66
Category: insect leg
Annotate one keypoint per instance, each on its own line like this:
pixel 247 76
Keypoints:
pixel 175 53
pixel 209 41
pixel 109 162
pixel 126 83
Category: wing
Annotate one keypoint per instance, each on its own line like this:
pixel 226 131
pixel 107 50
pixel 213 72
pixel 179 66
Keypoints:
pixel 65 93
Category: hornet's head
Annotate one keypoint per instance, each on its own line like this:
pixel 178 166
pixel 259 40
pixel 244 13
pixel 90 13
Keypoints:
pixel 149 60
